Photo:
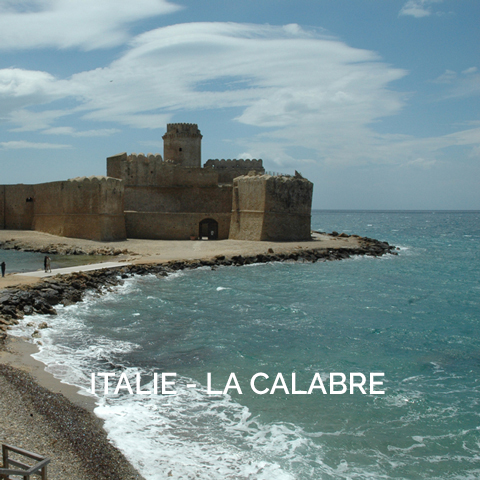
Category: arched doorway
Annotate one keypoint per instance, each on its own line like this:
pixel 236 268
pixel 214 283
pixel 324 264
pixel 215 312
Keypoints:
pixel 208 228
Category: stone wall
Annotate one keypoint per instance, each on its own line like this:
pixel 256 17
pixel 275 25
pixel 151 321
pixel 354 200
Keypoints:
pixel 273 208
pixel 86 207
pixel 229 169
pixel 2 207
pixel 151 212
pixel 135 169
pixel 172 226
pixel 151 170
pixel 164 200
pixel 16 207
pixel 177 200
pixel 82 208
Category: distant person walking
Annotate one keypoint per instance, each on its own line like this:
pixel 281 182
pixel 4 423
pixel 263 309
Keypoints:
pixel 46 264
pixel 2 265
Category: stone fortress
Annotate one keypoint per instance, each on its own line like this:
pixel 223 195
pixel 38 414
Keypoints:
pixel 171 198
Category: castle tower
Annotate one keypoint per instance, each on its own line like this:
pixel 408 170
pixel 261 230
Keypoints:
pixel 182 144
pixel 272 208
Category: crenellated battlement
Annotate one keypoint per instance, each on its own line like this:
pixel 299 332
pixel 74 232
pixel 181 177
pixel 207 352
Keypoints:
pixel 141 157
pixel 95 179
pixel 240 163
pixel 182 130
pixel 229 169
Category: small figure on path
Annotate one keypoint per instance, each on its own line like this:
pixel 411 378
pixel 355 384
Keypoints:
pixel 2 265
pixel 46 264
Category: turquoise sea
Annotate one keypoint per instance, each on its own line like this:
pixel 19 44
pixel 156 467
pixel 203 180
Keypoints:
pixel 414 317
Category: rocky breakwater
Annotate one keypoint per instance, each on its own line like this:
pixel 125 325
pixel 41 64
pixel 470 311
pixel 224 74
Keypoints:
pixel 42 298
pixel 60 249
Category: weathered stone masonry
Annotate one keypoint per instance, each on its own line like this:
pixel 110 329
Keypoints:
pixel 90 208
pixel 174 197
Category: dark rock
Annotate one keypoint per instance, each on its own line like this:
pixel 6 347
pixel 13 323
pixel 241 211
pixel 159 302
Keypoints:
pixel 4 299
pixel 51 296
pixel 11 311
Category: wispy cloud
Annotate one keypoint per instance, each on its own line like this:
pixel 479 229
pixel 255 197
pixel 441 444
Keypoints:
pixel 27 120
pixel 463 84
pixel 420 163
pixel 19 88
pixel 22 144
pixel 304 91
pixel 102 132
pixel 276 77
pixel 86 24
pixel 418 8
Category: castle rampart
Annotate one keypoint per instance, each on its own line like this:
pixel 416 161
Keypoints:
pixel 253 164
pixel 140 170
pixel 136 169
pixel 230 169
pixel 82 208
pixel 16 206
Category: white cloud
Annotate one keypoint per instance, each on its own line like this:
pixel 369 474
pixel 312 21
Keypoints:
pixel 475 153
pixel 102 132
pixel 22 144
pixel 19 88
pixel 87 24
pixel 465 84
pixel 449 76
pixel 276 76
pixel 30 121
pixel 420 162
pixel 310 96
pixel 418 8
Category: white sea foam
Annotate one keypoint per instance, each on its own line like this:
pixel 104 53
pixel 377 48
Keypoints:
pixel 198 435
pixel 190 435
pixel 194 435
pixel 174 275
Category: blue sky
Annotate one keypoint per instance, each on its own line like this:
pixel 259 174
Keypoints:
pixel 375 101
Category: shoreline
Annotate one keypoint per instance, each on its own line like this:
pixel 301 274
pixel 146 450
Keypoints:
pixel 52 419
pixel 18 353
pixel 22 295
